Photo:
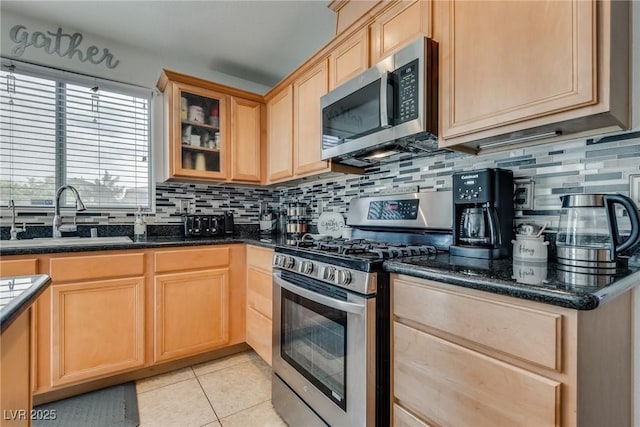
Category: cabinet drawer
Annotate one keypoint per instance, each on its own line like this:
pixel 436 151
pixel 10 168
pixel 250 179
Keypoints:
pixel 259 334
pixel 260 257
pixel 528 334
pixel 92 267
pixel 452 385
pixel 402 418
pixel 259 292
pixel 18 267
pixel 191 259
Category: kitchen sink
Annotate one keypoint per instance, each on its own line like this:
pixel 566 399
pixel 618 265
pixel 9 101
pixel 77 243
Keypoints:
pixel 64 241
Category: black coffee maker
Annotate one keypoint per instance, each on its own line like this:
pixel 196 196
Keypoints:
pixel 483 213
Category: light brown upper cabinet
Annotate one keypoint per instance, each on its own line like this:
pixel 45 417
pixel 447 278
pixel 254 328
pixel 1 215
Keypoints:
pixel 247 124
pixel 307 90
pixel 529 69
pixel 349 58
pixel 280 135
pixel 401 24
pixel 213 131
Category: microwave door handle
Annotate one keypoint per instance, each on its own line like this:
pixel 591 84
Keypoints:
pixel 349 307
pixel 384 100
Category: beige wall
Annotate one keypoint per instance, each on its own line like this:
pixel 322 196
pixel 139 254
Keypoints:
pixel 136 65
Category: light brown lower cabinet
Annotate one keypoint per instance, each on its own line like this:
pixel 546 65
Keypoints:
pixel 91 320
pixel 18 266
pixel 192 313
pixel 463 357
pixel 97 329
pixel 259 300
pixel 196 298
pixel 122 314
pixel 16 366
pixel 15 372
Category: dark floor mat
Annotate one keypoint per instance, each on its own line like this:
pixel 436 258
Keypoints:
pixel 115 406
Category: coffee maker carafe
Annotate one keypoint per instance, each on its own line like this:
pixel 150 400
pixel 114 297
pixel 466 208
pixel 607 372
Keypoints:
pixel 483 213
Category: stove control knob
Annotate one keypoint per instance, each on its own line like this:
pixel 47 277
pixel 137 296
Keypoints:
pixel 329 273
pixel 278 261
pixel 343 277
pixel 305 267
pixel 289 262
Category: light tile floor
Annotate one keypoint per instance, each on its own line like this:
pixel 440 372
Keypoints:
pixel 234 391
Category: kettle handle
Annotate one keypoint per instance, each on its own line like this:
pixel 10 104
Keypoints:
pixel 610 200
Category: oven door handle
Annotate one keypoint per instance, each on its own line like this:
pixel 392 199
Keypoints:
pixel 319 298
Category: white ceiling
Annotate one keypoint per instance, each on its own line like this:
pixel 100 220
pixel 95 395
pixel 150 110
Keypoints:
pixel 260 41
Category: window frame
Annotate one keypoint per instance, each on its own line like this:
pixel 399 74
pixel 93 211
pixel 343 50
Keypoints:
pixel 64 77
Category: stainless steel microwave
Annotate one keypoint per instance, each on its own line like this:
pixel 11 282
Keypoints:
pixel 388 110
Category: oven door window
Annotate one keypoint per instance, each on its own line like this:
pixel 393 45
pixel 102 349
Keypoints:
pixel 314 342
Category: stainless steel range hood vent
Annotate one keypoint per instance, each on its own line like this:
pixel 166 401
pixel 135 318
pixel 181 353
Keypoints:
pixel 415 146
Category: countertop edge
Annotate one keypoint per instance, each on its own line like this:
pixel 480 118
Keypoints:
pixel 623 285
pixel 151 244
pixel 19 304
pixel 587 301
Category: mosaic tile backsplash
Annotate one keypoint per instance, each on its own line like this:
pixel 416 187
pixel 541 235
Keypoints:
pixel 598 165
pixel 576 166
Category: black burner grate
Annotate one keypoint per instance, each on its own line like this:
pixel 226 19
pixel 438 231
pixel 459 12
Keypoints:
pixel 366 248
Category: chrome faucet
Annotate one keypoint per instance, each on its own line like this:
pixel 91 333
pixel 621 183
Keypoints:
pixel 58 227
pixel 14 231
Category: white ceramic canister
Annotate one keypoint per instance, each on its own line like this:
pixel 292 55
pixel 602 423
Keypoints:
pixel 201 162
pixel 196 114
pixel 529 248
pixel 530 272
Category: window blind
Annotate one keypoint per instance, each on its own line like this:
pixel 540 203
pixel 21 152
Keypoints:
pixel 58 128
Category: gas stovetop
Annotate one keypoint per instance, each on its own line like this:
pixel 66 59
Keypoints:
pixel 356 254
pixel 364 249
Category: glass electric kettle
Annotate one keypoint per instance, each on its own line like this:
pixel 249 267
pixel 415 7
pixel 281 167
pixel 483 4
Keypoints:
pixel 589 238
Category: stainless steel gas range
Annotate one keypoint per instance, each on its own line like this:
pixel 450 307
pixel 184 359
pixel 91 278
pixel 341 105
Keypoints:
pixel 331 310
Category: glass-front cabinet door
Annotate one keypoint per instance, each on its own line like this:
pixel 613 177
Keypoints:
pixel 198 132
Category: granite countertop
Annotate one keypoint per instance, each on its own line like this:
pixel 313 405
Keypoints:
pixel 17 294
pixel 533 281
pixel 152 242
pixel 541 282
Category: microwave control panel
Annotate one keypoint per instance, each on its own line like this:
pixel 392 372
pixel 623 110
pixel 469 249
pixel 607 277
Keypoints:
pixel 406 79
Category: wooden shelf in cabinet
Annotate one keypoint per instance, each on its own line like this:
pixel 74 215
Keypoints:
pixel 195 148
pixel 201 125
